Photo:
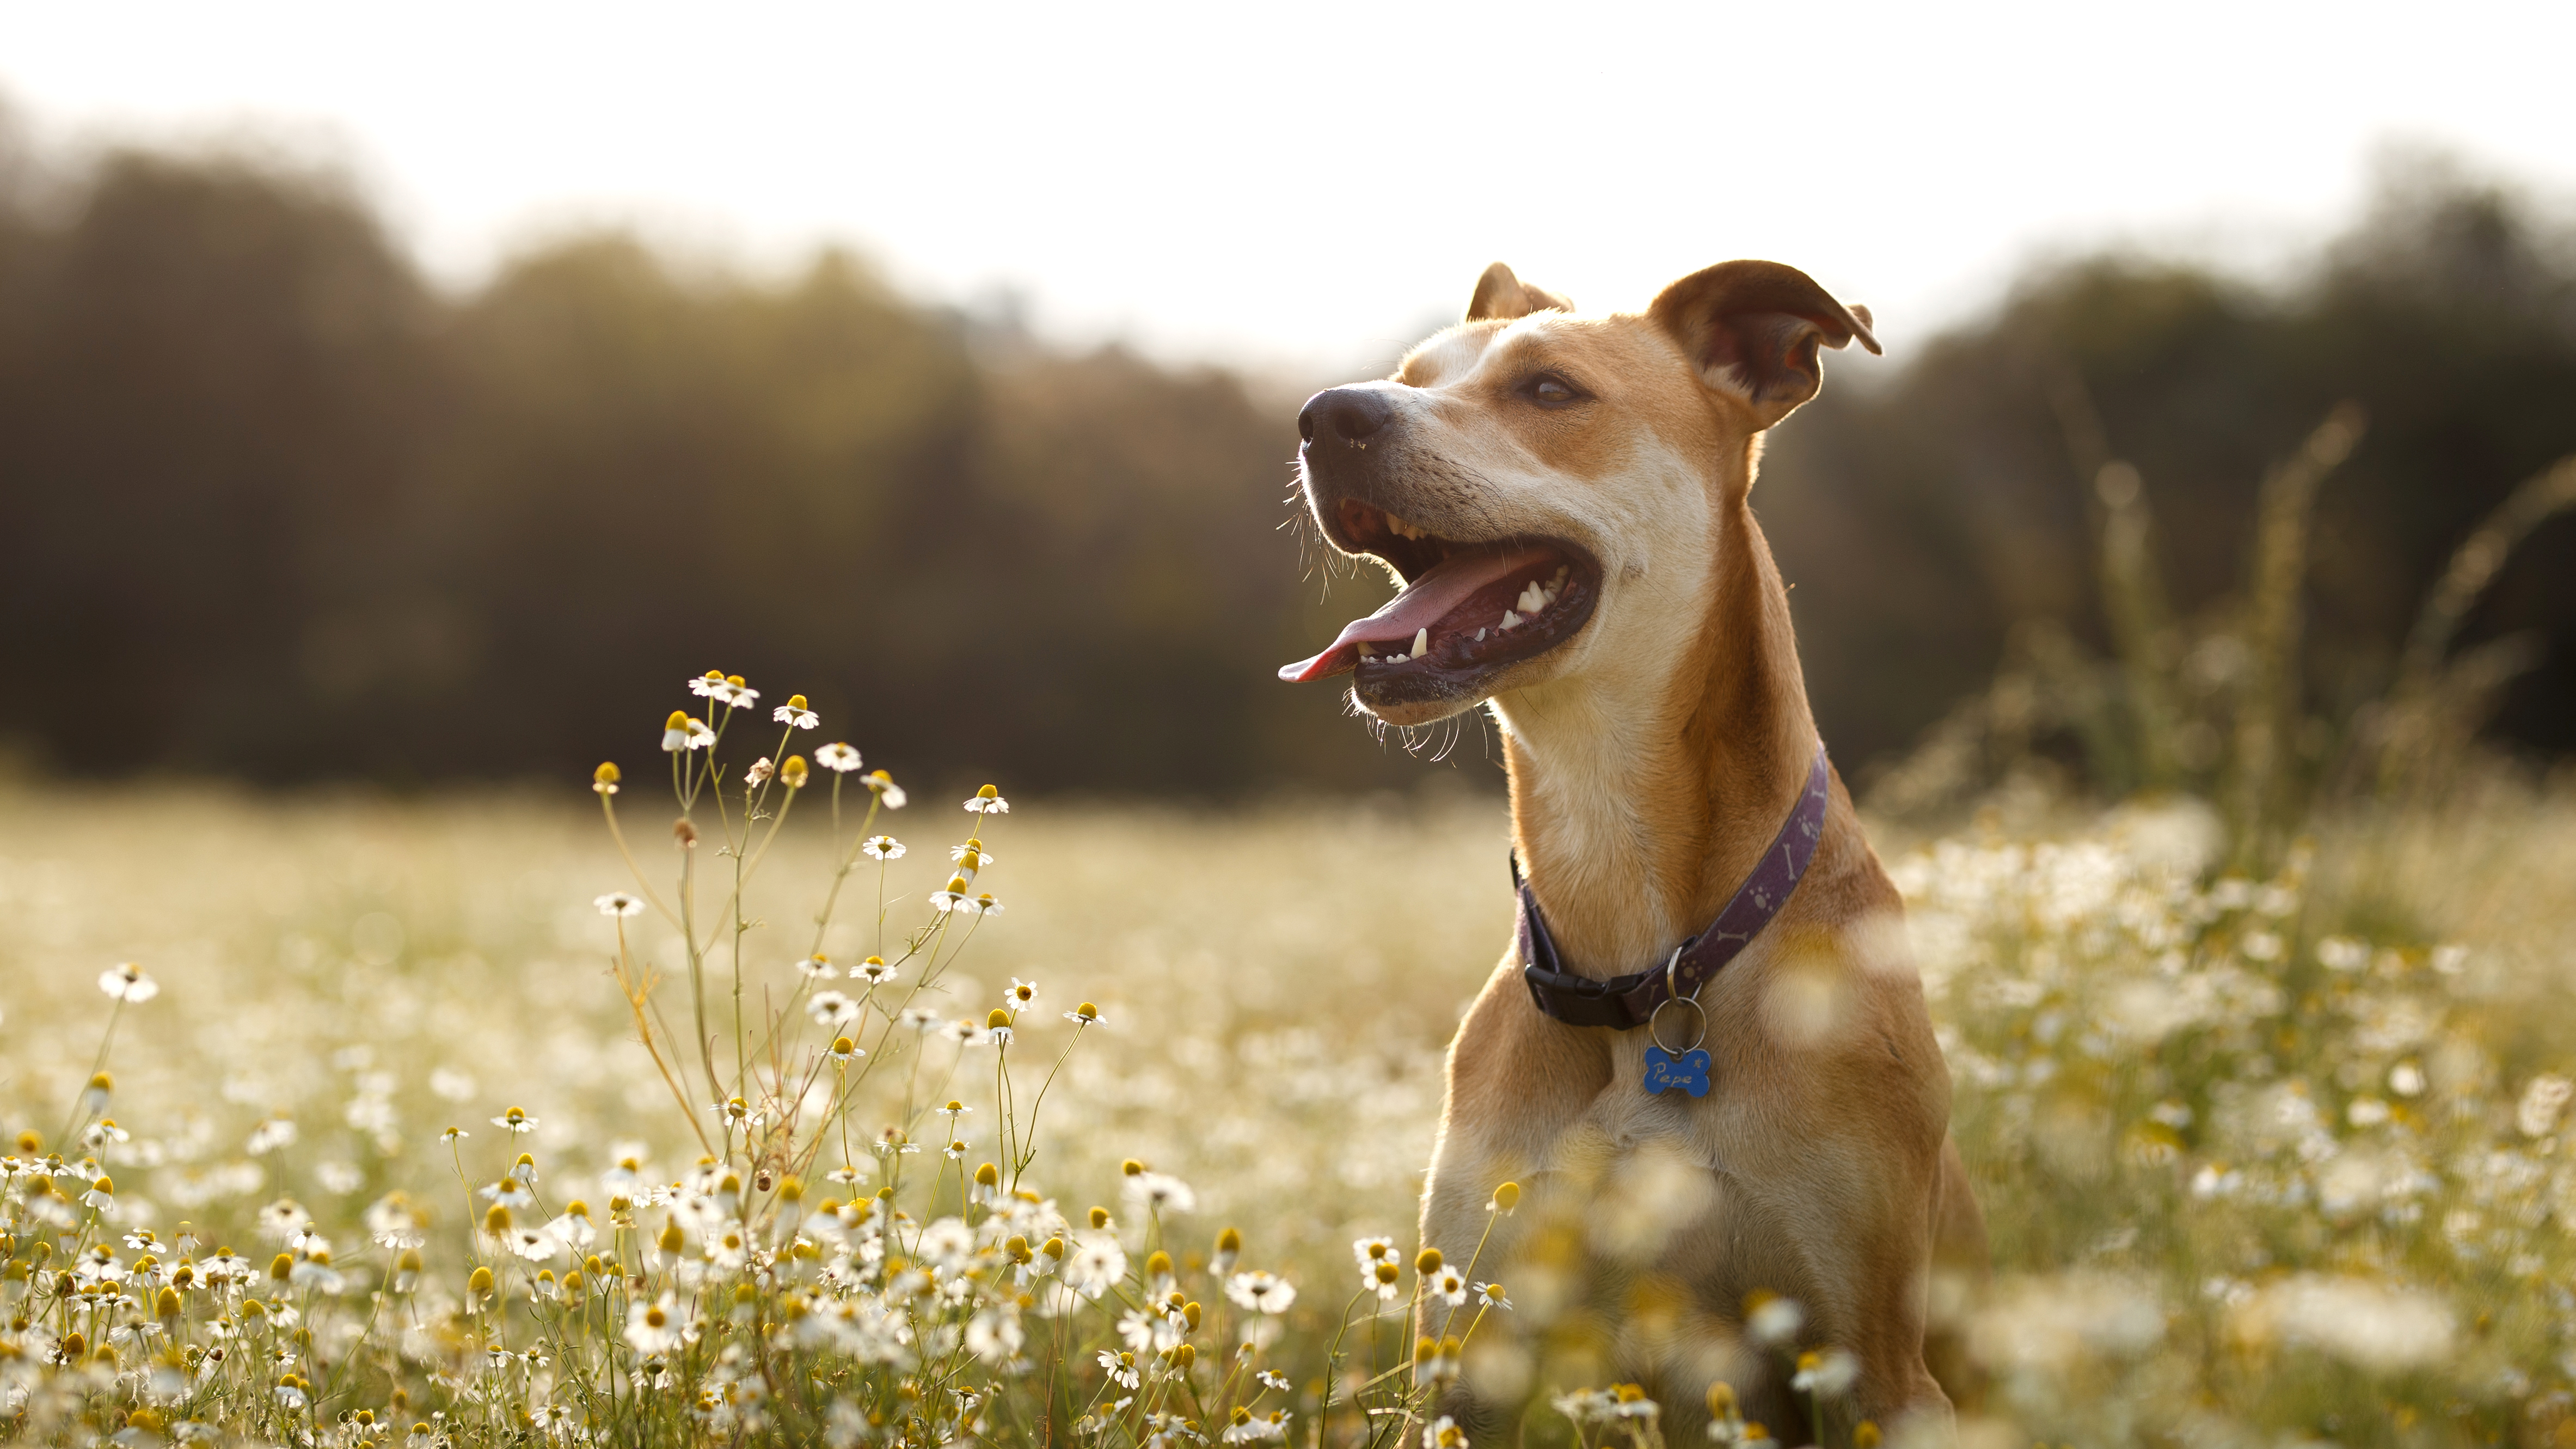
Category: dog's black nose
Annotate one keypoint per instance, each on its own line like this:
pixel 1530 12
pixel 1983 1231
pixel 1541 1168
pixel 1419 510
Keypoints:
pixel 1348 413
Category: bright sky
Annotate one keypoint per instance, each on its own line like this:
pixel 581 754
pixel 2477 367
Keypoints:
pixel 1307 185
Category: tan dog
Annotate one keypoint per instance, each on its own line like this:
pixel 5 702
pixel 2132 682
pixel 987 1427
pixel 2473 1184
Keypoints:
pixel 1565 498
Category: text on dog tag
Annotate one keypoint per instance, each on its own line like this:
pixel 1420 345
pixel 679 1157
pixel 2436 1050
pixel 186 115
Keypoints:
pixel 1687 1072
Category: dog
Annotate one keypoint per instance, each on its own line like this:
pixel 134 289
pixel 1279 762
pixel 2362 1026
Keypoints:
pixel 1729 1155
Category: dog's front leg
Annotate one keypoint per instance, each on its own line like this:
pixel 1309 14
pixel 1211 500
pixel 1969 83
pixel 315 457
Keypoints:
pixel 1863 1215
pixel 1516 1082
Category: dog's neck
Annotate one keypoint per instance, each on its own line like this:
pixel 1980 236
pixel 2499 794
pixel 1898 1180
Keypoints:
pixel 1639 805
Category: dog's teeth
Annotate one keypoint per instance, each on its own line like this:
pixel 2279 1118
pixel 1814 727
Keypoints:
pixel 1511 620
pixel 1480 636
pixel 1421 641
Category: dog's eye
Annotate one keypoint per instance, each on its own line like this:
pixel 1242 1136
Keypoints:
pixel 1551 391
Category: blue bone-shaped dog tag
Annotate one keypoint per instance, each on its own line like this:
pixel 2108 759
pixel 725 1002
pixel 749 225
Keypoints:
pixel 1666 1072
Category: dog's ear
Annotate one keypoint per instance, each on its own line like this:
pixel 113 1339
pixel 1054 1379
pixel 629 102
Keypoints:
pixel 1500 294
pixel 1752 330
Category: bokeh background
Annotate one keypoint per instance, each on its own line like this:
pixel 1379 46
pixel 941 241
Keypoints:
pixel 397 405
pixel 411 405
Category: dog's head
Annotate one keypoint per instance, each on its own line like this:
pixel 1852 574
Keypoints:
pixel 1545 485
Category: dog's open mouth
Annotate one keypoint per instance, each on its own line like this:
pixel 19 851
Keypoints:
pixel 1468 608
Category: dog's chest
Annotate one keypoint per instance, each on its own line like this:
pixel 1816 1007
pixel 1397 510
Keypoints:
pixel 1630 1116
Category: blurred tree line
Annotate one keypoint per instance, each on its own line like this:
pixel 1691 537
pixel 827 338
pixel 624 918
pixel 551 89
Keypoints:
pixel 275 508
pixel 272 506
pixel 1937 520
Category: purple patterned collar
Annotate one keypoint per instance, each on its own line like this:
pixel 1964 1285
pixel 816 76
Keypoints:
pixel 1629 1001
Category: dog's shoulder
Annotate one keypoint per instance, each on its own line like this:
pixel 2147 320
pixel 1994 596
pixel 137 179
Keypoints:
pixel 1517 1072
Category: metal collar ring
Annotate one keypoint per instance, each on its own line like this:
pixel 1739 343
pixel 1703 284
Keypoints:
pixel 1655 1036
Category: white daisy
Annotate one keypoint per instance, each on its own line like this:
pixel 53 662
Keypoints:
pixel 1449 1286
pixel 795 714
pixel 574 1227
pixel 882 847
pixel 1145 1332
pixel 1097 1264
pixel 283 1219
pixel 995 1335
pixel 1251 1428
pixel 653 1327
pixel 947 1242
pixel 1774 1320
pixel 1121 1367
pixel 1261 1292
pixel 127 982
pixel 619 903
pixel 833 1008
pixel 988 801
pixel 1826 1375
pixel 837 757
pixel 534 1244
pixel 620 1180
pixel 1159 1192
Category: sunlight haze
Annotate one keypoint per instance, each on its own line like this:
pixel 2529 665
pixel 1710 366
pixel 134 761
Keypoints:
pixel 1308 187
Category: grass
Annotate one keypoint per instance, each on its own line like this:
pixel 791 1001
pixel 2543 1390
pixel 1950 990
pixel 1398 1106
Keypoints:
pixel 2264 1157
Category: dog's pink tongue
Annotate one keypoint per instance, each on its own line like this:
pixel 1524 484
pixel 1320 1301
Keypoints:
pixel 1425 602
